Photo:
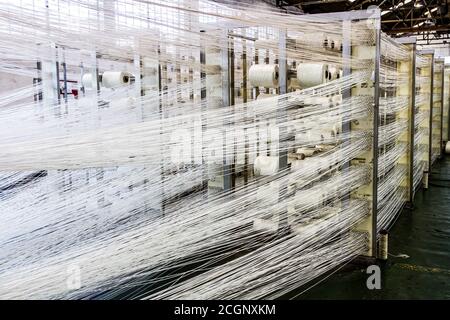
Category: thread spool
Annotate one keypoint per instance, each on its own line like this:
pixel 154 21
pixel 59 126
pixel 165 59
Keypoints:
pixel 337 45
pixel 336 130
pixel 327 134
pixel 383 245
pixel 447 147
pixel 336 99
pixel 307 152
pixel 113 79
pixel 295 156
pixel 264 75
pixel 87 80
pixel 334 73
pixel 312 74
pixel 266 165
pixel 331 44
pixel 325 42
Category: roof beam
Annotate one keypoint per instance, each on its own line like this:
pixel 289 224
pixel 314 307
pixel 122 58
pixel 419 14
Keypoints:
pixel 414 19
pixel 418 29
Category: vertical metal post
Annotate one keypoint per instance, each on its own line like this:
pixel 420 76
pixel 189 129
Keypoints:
pixel 448 107
pixel 448 112
pixel 203 110
pixel 441 144
pixel 430 149
pixel 256 89
pixel 244 99
pixel 411 43
pixel 346 93
pixel 428 71
pixel 38 80
pixel 430 138
pixel 97 74
pixel 58 89
pixel 64 66
pixel 376 109
pixel 161 129
pixel 282 114
pixel 228 100
pixel 447 138
pixel 283 225
pixel 244 72
pixel 412 125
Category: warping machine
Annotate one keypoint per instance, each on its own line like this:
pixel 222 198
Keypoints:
pixel 204 151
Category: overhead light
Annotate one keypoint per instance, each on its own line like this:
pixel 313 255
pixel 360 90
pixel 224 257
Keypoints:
pixel 428 13
pixel 399 5
pixel 407 1
pixel 384 12
pixel 418 4
pixel 351 0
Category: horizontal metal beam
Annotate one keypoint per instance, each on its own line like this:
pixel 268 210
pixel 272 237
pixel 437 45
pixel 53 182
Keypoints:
pixel 418 29
pixel 406 40
pixel 433 40
pixel 425 43
pixel 426 51
pixel 407 20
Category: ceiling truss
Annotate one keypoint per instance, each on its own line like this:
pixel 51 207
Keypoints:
pixel 429 20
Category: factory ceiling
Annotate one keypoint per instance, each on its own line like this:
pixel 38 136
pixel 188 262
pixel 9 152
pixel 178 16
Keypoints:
pixel 429 20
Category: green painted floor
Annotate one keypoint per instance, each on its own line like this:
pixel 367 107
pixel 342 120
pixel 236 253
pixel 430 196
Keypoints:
pixel 424 235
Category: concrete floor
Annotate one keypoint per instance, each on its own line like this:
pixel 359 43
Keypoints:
pixel 424 235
